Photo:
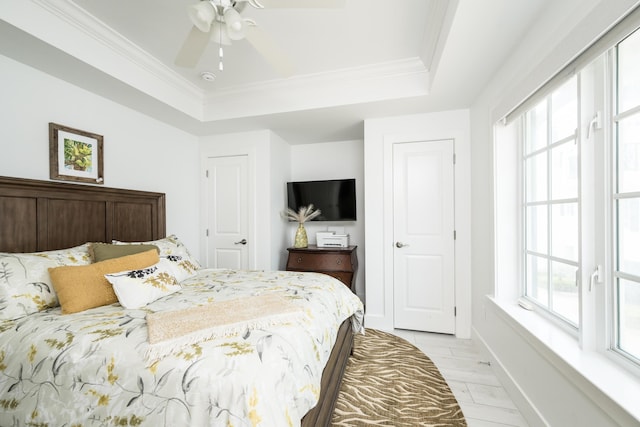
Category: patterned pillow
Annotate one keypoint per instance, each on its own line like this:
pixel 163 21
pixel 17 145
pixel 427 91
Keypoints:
pixel 137 288
pixel 175 251
pixel 25 284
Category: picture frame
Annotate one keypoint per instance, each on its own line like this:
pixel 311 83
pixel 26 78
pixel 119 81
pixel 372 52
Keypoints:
pixel 75 155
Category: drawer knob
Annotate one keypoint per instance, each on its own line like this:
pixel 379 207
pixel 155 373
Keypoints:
pixel 299 259
pixel 338 261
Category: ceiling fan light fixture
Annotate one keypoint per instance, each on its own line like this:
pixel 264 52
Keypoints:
pixel 221 21
pixel 218 34
pixel 202 14
pixel 235 24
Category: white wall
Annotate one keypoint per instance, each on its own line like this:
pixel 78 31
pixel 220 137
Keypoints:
pixel 333 160
pixel 527 370
pixel 280 175
pixel 380 135
pixel 139 152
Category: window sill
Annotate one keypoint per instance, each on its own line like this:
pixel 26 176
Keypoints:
pixel 610 386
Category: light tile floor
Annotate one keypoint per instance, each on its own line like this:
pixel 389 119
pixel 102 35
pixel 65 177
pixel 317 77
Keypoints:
pixel 482 398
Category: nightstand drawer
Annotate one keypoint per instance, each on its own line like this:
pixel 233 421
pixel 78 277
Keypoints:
pixel 319 262
pixel 341 263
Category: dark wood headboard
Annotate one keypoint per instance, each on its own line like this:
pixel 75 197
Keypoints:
pixel 44 215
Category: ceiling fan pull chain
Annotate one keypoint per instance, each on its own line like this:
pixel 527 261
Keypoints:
pixel 220 52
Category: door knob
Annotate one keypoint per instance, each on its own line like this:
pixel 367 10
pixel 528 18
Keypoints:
pixel 241 242
pixel 401 245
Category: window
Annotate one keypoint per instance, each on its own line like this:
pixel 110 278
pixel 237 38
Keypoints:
pixel 626 198
pixel 551 203
pixel 562 207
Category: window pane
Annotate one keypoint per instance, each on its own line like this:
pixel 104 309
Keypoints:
pixel 628 72
pixel 536 125
pixel 537 229
pixel 626 165
pixel 629 319
pixel 629 236
pixel 564 171
pixel 565 291
pixel 629 153
pixel 536 177
pixel 564 109
pixel 551 201
pixel 537 279
pixel 564 231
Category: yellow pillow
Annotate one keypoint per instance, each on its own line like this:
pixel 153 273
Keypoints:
pixel 82 287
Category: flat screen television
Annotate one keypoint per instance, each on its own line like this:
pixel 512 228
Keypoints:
pixel 335 198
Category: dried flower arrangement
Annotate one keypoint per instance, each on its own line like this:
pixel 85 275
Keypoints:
pixel 304 214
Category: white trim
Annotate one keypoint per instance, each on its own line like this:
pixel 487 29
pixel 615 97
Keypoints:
pixel 606 384
pixel 519 396
pixel 380 135
pixel 395 79
pixel 98 30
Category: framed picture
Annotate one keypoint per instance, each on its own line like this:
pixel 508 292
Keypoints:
pixel 75 155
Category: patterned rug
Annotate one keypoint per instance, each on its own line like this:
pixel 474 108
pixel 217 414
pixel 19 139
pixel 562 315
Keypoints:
pixel 389 382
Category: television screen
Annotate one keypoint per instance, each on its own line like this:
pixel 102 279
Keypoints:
pixel 336 199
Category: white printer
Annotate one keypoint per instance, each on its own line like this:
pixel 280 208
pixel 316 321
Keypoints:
pixel 331 239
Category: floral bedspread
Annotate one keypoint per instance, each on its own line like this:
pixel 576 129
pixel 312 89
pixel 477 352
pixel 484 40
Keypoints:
pixel 89 368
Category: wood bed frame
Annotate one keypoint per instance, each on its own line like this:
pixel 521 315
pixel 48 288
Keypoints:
pixel 44 215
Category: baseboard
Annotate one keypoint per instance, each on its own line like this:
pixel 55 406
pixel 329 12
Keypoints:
pixel 378 322
pixel 517 394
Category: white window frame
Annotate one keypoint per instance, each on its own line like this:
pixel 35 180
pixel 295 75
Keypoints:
pixel 612 197
pixel 548 312
pixel 596 138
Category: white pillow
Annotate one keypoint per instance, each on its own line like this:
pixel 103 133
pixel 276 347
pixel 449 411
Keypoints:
pixel 137 288
pixel 174 250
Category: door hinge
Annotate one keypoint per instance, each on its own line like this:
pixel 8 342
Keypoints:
pixel 207 173
pixel 455 311
pixel 454 234
pixel 454 158
pixel 207 232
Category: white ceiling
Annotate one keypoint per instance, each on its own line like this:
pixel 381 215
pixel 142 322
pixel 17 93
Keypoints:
pixel 369 58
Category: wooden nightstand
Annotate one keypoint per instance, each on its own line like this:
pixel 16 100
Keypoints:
pixel 341 263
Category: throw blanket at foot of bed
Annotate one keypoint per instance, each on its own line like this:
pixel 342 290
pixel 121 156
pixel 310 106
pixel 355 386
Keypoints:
pixel 172 331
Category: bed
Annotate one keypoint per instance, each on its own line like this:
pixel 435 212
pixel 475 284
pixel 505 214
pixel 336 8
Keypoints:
pixel 126 362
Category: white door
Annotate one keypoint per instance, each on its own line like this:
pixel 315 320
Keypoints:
pixel 227 222
pixel 423 216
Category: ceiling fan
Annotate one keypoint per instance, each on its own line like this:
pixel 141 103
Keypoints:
pixel 221 21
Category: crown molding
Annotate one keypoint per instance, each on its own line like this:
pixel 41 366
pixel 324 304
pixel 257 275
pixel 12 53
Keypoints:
pixel 95 29
pixel 392 68
pixel 143 72
pixel 389 80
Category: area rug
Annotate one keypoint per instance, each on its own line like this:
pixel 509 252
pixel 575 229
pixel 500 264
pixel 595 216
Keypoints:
pixel 390 382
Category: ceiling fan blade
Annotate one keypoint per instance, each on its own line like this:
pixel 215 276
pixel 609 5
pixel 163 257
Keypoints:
pixel 192 48
pixel 302 4
pixel 261 41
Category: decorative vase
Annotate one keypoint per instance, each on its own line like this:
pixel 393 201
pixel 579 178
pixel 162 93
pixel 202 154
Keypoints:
pixel 301 237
